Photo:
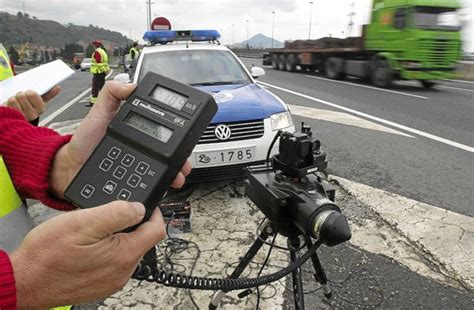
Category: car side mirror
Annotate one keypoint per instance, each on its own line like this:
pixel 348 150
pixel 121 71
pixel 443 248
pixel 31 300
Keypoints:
pixel 123 78
pixel 257 72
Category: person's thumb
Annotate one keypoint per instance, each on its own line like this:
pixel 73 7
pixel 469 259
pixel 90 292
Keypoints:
pixel 111 96
pixel 113 217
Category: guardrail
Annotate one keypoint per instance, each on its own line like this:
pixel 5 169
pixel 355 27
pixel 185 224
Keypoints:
pixel 249 52
pixel 465 71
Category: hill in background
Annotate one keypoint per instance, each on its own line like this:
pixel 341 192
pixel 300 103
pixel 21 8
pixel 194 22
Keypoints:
pixel 259 41
pixel 18 29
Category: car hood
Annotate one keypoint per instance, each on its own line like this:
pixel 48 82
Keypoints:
pixel 243 102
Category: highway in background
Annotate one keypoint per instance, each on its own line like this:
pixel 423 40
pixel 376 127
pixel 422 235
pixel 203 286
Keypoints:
pixel 410 141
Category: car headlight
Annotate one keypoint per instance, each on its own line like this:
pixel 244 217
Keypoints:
pixel 281 120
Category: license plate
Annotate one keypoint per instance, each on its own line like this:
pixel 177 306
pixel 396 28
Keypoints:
pixel 215 158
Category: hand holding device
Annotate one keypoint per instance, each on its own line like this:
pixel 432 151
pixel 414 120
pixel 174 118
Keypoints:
pixel 145 145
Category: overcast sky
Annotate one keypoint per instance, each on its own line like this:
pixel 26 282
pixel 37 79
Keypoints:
pixel 291 16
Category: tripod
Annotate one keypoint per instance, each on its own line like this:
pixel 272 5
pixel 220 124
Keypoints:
pixel 297 281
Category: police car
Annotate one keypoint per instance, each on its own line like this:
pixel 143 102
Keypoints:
pixel 249 116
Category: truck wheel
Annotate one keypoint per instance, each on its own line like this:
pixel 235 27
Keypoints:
pixel 282 63
pixel 382 75
pixel 428 84
pixel 275 62
pixel 333 68
pixel 291 63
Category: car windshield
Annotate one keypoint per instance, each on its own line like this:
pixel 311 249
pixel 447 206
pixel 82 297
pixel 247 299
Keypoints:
pixel 436 18
pixel 196 67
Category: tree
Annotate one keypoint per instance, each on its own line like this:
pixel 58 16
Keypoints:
pixel 89 50
pixel 14 57
pixel 19 14
pixel 34 57
pixel 116 52
pixel 26 15
pixel 54 55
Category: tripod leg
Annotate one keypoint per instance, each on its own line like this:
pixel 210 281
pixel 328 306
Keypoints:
pixel 319 275
pixel 267 231
pixel 297 280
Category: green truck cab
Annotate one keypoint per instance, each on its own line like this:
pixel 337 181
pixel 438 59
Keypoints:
pixel 420 39
pixel 405 40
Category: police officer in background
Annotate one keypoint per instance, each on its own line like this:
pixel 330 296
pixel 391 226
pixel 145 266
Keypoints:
pixel 99 68
pixel 134 51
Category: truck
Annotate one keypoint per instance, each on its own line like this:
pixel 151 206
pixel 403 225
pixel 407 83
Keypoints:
pixel 405 40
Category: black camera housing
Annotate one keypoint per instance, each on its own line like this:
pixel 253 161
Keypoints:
pixel 292 196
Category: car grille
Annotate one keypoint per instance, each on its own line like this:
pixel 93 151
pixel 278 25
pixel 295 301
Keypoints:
pixel 438 53
pixel 221 173
pixel 240 131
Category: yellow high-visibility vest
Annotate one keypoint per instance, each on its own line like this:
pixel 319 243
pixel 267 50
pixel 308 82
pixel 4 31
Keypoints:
pixel 15 221
pixel 9 199
pixel 5 69
pixel 134 52
pixel 103 66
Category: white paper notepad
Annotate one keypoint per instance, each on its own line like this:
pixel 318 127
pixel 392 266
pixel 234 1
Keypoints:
pixel 40 79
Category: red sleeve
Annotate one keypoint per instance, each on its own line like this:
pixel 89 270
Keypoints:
pixel 12 65
pixel 97 57
pixel 28 152
pixel 7 283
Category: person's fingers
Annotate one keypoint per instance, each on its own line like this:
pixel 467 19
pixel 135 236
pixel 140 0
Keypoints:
pixel 52 93
pixel 12 103
pixel 36 101
pixel 26 106
pixel 110 98
pixel 179 180
pixel 99 222
pixel 187 167
pixel 147 234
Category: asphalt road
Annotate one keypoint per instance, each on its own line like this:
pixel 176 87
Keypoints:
pixel 435 170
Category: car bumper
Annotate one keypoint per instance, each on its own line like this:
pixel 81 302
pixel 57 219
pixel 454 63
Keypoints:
pixel 220 172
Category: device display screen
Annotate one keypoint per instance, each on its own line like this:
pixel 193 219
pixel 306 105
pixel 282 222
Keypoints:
pixel 148 127
pixel 169 97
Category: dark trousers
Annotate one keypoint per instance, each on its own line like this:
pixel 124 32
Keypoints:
pixel 98 81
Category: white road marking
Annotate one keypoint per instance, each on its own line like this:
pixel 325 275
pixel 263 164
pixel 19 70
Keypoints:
pixel 460 81
pixel 456 88
pixel 341 118
pixel 377 119
pixel 369 87
pixel 447 236
pixel 56 113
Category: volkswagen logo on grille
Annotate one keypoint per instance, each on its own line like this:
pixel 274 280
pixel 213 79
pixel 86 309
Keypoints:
pixel 222 132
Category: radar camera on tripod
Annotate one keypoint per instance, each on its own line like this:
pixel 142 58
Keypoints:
pixel 297 202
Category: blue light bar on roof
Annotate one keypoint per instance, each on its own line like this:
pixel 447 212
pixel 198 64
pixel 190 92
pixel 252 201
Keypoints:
pixel 164 36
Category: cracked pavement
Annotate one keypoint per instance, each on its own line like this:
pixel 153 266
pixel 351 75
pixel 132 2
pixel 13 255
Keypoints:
pixel 403 254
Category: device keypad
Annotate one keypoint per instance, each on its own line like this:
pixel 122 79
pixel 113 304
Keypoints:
pixel 114 152
pixel 124 174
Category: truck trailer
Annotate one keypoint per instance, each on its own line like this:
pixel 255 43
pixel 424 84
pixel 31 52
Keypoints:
pixel 405 40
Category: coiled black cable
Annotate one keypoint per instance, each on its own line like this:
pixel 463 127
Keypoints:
pixel 153 274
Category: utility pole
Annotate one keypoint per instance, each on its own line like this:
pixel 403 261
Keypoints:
pixel 273 27
pixel 248 46
pixel 310 19
pixel 351 20
pixel 233 34
pixel 148 13
pixel 24 9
